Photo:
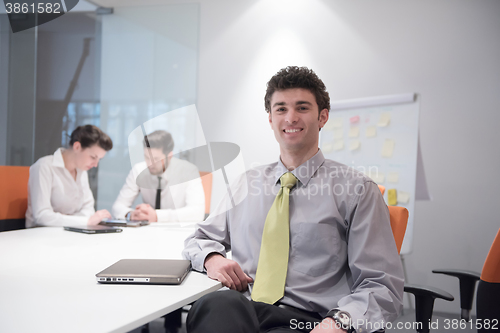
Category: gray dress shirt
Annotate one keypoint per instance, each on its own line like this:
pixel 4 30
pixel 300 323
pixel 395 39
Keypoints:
pixel 342 250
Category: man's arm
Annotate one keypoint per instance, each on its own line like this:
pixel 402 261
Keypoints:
pixel 228 272
pixel 374 263
pixel 194 209
pixel 328 325
pixel 208 246
pixel 127 195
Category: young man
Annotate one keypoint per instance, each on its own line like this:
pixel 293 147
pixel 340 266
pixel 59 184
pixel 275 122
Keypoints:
pixel 171 188
pixel 338 269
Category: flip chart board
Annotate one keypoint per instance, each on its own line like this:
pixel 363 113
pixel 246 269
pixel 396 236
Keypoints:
pixel 379 137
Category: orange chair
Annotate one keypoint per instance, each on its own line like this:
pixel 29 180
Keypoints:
pixel 206 180
pixel 488 290
pixel 13 197
pixel 382 189
pixel 424 296
pixel 399 221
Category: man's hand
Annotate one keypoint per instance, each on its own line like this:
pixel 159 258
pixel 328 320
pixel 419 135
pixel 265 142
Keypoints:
pixel 328 325
pixel 228 272
pixel 144 212
pixel 98 217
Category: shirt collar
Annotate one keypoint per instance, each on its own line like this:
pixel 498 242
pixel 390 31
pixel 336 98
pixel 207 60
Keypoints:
pixel 303 172
pixel 167 174
pixel 58 160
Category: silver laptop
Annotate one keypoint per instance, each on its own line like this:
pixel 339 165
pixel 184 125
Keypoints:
pixel 147 271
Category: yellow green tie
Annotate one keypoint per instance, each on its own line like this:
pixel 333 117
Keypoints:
pixel 269 285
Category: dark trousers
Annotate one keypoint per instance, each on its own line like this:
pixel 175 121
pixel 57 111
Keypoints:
pixel 229 312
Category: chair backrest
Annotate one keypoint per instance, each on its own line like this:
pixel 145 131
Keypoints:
pixel 206 180
pixel 382 189
pixel 488 289
pixel 399 221
pixel 13 197
pixel 491 267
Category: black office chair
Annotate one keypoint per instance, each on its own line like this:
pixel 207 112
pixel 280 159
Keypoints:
pixel 467 280
pixel 424 304
pixel 488 291
pixel 488 294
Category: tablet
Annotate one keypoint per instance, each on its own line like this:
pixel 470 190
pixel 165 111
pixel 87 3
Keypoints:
pixel 123 223
pixel 96 229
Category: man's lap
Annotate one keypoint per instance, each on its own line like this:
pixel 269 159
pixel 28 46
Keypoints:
pixel 230 311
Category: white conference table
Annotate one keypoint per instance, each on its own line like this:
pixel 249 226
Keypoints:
pixel 48 284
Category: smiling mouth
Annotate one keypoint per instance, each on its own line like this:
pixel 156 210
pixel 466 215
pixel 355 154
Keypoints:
pixel 293 130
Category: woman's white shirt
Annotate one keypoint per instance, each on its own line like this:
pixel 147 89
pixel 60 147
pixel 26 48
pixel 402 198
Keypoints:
pixel 55 198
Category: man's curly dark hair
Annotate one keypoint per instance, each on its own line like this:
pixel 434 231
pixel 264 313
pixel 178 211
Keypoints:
pixel 298 77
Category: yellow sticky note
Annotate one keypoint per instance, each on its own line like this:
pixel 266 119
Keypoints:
pixel 338 145
pixel 388 148
pixel 392 197
pixel 329 125
pixel 354 132
pixel 354 145
pixel 337 123
pixel 377 177
pixel 338 134
pixel 371 132
pixel 327 147
pixel 403 197
pixel 393 177
pixel 385 119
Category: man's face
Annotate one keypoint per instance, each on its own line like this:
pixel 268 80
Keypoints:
pixel 156 160
pixel 295 121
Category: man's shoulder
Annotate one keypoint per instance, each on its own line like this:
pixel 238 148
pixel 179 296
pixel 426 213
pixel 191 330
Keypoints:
pixel 339 170
pixel 183 163
pixel 259 174
pixel 265 170
pixel 182 169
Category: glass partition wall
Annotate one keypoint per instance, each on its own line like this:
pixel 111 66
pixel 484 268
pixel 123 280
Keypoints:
pixel 149 61
pixel 116 71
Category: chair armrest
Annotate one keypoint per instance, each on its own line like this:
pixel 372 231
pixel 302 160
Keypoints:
pixel 459 273
pixel 428 292
pixel 424 303
pixel 467 280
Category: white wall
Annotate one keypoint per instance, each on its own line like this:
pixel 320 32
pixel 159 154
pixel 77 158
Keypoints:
pixel 448 51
